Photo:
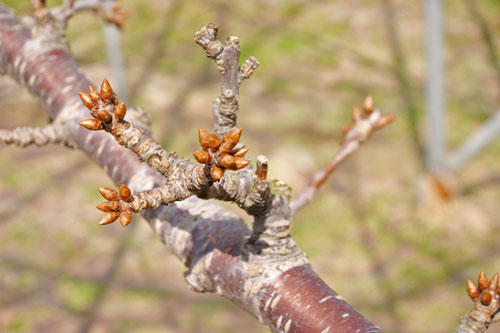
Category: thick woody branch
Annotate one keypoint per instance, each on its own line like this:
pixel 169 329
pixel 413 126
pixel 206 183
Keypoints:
pixel 38 136
pixel 364 124
pixel 226 57
pixel 283 291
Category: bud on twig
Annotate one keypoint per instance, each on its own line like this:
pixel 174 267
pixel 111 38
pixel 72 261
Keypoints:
pixel 125 217
pixel 91 124
pixel 94 95
pixel 125 193
pixel 202 156
pixel 120 111
pixel 106 90
pixel 87 101
pixel 216 173
pixel 108 218
pixel 108 193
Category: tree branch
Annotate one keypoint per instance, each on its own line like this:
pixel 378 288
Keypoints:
pixel 364 124
pixel 269 277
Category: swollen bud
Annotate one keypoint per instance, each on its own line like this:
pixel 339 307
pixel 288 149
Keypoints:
pixel 234 135
pixel 120 111
pixel 108 193
pixel 125 193
pixel 241 152
pixel 108 218
pixel 240 163
pixel 94 94
pixel 87 101
pixel 216 173
pixel 493 285
pixel 213 141
pixel 486 297
pixel 472 290
pixel 227 161
pixel 125 218
pixel 103 116
pixel 106 90
pixel 203 137
pixel 202 156
pixel 109 206
pixel 482 281
pixel 91 124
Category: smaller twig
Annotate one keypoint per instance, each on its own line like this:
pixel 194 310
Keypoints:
pixel 364 124
pixel 62 14
pixel 486 304
pixel 226 57
pixel 38 136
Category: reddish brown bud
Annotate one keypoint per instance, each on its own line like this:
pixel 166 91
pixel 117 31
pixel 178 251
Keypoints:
pixel 227 161
pixel 216 173
pixel 103 116
pixel 125 218
pixel 482 281
pixel 486 297
pixel 120 111
pixel 213 141
pixel 368 105
pixel 94 94
pixel 226 146
pixel 493 285
pixel 241 152
pixel 108 193
pixel 472 290
pixel 87 101
pixel 202 156
pixel 106 90
pixel 384 121
pixel 109 206
pixel 234 135
pixel 356 113
pixel 91 124
pixel 108 218
pixel 240 163
pixel 125 193
pixel 203 137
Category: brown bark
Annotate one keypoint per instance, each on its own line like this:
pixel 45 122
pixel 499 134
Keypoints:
pixel 268 275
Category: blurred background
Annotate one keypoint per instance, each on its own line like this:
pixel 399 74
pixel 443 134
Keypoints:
pixel 397 241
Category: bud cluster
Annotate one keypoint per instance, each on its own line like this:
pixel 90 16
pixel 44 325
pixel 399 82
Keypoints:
pixel 220 154
pixel 103 106
pixel 118 205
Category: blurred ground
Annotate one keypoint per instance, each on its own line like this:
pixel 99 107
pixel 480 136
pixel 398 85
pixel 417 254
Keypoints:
pixel 398 255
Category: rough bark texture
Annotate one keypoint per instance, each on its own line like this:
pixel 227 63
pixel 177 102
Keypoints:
pixel 268 275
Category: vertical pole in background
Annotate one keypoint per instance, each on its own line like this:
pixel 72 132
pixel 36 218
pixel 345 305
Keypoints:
pixel 434 86
pixel 113 40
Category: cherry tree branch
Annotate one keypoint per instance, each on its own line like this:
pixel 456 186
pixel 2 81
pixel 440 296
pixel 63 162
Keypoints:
pixel 39 136
pixel 226 58
pixel 364 124
pixel 267 275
